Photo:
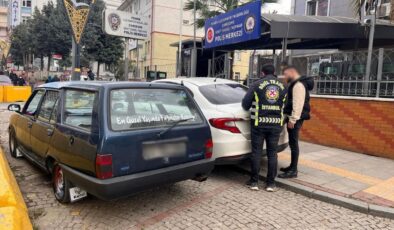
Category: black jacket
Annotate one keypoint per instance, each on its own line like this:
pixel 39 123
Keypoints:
pixel 266 99
pixel 308 83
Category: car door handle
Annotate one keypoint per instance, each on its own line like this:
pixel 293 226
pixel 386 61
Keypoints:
pixel 50 132
pixel 29 124
pixel 71 140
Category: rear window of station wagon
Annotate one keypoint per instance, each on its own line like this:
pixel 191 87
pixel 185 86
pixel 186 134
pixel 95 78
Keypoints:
pixel 151 108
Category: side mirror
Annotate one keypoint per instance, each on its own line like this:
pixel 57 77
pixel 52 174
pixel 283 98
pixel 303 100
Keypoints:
pixel 14 107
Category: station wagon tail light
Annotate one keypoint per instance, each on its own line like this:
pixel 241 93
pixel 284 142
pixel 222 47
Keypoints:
pixel 225 124
pixel 104 166
pixel 208 149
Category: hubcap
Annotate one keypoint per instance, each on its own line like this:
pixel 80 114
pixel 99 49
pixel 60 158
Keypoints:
pixel 59 182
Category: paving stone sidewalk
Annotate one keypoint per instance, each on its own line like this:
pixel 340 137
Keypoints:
pixel 342 173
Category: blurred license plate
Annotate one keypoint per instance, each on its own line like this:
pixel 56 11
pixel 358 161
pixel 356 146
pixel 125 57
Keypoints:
pixel 154 150
pixel 77 194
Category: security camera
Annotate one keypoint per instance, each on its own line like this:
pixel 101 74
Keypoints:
pixel 367 21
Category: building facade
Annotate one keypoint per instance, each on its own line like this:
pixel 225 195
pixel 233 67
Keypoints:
pixel 113 4
pixel 3 19
pixel 156 53
pixel 344 8
pixel 21 10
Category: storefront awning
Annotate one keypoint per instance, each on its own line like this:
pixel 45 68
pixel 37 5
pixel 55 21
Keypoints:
pixel 315 32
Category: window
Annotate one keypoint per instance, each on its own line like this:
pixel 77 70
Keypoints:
pixel 311 7
pixel 54 116
pixel 322 8
pixel 222 94
pixel 78 108
pixel 237 76
pixel 147 108
pixel 317 7
pixel 47 105
pixel 34 102
pixel 237 55
pixel 26 3
pixel 4 3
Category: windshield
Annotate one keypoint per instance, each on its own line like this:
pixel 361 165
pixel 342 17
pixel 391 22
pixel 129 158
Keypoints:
pixel 148 108
pixel 222 94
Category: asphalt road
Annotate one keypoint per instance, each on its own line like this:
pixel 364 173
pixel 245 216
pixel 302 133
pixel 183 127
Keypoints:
pixel 222 202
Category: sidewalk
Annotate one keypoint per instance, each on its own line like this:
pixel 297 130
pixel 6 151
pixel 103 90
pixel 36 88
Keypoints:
pixel 353 180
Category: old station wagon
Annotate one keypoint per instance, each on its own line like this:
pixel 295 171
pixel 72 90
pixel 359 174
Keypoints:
pixel 112 139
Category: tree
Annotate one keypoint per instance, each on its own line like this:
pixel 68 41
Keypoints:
pixel 210 8
pixel 97 45
pixel 50 34
pixel 21 44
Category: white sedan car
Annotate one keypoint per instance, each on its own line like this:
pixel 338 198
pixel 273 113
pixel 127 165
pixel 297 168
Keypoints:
pixel 220 101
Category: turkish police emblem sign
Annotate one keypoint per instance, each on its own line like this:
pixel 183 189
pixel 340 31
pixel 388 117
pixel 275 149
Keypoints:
pixel 272 94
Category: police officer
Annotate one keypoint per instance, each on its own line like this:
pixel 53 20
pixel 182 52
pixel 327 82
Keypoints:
pixel 266 99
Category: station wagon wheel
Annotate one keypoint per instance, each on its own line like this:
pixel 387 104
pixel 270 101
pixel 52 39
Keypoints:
pixel 61 187
pixel 13 144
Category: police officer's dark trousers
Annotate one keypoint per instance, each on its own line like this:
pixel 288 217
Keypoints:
pixel 271 136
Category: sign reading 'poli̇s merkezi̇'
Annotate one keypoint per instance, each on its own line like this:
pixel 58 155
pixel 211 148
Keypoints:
pixel 125 24
pixel 239 25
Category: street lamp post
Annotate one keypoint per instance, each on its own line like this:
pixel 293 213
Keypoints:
pixel 76 61
pixel 372 18
pixel 194 51
pixel 180 40
pixel 77 15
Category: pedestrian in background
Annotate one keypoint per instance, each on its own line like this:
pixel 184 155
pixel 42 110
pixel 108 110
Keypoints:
pixel 297 110
pixel 21 80
pixel 265 98
pixel 49 79
pixel 55 78
pixel 13 77
pixel 91 75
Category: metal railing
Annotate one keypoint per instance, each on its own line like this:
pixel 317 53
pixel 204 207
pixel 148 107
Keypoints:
pixel 343 73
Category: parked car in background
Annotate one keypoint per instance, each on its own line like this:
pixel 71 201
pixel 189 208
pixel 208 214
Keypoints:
pixel 112 139
pixel 220 101
pixel 5 80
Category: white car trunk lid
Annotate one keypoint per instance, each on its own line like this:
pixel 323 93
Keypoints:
pixel 236 111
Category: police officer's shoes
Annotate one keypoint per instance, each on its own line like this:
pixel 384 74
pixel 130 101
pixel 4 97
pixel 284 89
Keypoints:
pixel 252 185
pixel 289 174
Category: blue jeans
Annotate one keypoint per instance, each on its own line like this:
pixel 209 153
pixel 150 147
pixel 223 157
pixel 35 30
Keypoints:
pixel 271 136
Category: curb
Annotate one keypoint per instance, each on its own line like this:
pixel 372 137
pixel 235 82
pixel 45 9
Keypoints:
pixel 13 210
pixel 352 204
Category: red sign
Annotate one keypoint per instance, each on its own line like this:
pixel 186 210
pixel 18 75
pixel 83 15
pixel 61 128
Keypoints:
pixel 57 56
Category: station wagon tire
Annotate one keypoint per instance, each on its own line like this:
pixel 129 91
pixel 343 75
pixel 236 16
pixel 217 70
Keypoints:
pixel 61 186
pixel 13 144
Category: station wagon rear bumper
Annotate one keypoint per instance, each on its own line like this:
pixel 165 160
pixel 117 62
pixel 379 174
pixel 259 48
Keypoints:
pixel 123 186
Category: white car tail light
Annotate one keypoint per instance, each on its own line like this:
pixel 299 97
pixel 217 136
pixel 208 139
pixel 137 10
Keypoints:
pixel 225 124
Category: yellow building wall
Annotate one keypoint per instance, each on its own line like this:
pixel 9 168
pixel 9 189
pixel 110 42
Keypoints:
pixel 241 65
pixel 164 56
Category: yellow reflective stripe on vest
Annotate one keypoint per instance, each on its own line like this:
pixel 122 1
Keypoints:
pixel 281 113
pixel 256 120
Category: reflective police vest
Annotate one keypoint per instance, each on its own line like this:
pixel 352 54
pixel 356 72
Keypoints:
pixel 268 103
